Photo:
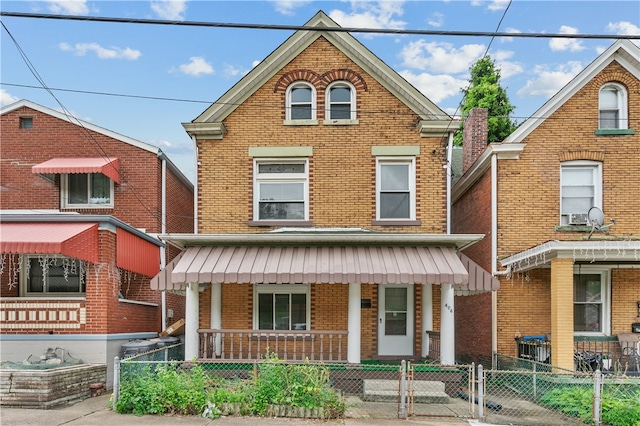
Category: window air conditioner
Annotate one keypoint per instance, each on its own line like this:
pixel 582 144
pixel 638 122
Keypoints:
pixel 578 218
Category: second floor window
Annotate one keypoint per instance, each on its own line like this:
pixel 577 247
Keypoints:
pixel 395 194
pixel 340 102
pixel 301 102
pixel 281 190
pixel 83 190
pixel 613 107
pixel 580 189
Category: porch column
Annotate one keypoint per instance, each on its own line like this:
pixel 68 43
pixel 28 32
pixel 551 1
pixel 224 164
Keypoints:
pixel 447 326
pixel 191 321
pixel 427 316
pixel 353 324
pixel 216 312
pixel 562 313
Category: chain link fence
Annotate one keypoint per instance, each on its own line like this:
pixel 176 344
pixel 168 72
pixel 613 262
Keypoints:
pixel 367 390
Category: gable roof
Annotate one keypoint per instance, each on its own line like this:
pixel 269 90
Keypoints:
pixel 348 45
pixel 89 126
pixel 623 51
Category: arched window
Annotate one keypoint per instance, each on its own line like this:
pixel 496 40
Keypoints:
pixel 301 101
pixel 613 107
pixel 341 101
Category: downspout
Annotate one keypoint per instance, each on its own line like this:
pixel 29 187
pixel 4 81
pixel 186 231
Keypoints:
pixel 195 184
pixel 163 227
pixel 494 252
pixel 448 169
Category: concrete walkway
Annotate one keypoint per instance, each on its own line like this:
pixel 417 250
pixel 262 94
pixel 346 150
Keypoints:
pixel 96 411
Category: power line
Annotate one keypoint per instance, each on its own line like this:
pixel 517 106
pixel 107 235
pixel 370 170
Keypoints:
pixel 308 28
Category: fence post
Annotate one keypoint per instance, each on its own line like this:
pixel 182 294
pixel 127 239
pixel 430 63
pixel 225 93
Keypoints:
pixel 535 382
pixel 472 389
pixel 116 380
pixel 480 393
pixel 402 412
pixel 597 400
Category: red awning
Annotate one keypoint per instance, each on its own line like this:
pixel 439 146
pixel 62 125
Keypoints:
pixel 136 254
pixel 79 240
pixel 106 166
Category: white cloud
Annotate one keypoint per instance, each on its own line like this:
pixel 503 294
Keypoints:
pixel 369 14
pixel 288 7
pixel 496 5
pixel 509 30
pixel 435 87
pixel 81 49
pixel 436 20
pixel 7 98
pixel 564 44
pixel 507 68
pixel 548 82
pixel 623 28
pixel 197 66
pixel 71 7
pixel 229 71
pixel 440 57
pixel 172 10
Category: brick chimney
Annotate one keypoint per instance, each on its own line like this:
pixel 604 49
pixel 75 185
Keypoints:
pixel 474 137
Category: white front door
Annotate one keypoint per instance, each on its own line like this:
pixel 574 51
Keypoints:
pixel 395 320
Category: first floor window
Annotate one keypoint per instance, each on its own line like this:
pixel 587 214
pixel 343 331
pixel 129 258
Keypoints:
pixel 53 275
pixel 395 189
pixel 282 307
pixel 87 190
pixel 281 190
pixel 590 302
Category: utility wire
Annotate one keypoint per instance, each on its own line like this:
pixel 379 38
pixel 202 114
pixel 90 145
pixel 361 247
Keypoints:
pixel 312 28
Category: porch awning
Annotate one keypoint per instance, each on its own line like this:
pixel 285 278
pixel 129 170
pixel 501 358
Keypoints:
pixel 79 240
pixel 314 264
pixel 480 281
pixel 107 166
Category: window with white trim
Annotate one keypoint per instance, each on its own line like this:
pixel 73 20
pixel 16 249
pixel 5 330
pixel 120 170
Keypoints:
pixel 612 107
pixel 591 301
pixel 86 190
pixel 301 101
pixel 580 189
pixel 53 275
pixel 395 188
pixel 281 307
pixel 281 190
pixel 340 101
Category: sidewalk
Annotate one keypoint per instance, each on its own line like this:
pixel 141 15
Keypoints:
pixel 95 411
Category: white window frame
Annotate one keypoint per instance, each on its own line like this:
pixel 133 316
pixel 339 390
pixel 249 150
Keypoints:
pixel 596 169
pixel 280 178
pixel 281 289
pixel 290 103
pixel 329 103
pixel 25 272
pixel 64 194
pixel 409 161
pixel 622 122
pixel 605 292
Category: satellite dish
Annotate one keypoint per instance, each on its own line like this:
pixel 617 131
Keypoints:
pixel 596 217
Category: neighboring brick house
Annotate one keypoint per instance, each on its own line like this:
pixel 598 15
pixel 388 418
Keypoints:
pixel 534 196
pixel 80 211
pixel 322 212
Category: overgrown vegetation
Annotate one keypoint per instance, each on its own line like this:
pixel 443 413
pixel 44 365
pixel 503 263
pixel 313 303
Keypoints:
pixel 193 391
pixel 618 408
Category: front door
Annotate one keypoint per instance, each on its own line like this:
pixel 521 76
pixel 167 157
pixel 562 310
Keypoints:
pixel 395 320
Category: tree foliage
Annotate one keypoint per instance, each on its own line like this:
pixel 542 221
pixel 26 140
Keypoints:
pixel 485 91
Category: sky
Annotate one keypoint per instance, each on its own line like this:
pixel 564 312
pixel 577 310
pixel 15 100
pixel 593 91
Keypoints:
pixel 143 81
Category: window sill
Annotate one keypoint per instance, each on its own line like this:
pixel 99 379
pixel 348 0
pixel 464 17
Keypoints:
pixel 282 223
pixel 396 222
pixel 280 336
pixel 136 302
pixel 614 132
pixel 573 228
pixel 32 296
pixel 340 122
pixel 300 122
pixel 88 206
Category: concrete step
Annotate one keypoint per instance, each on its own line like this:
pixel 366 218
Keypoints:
pixel 424 391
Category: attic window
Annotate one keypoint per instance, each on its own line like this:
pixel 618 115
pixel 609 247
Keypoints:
pixel 26 122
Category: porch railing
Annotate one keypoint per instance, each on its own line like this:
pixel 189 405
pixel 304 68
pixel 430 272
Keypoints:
pixel 434 345
pixel 289 345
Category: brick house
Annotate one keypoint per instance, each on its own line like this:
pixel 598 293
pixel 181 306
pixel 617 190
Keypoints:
pixel 322 213
pixel 536 196
pixel 80 212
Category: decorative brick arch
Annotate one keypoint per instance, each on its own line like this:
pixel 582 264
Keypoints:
pixel 345 75
pixel 582 155
pixel 298 75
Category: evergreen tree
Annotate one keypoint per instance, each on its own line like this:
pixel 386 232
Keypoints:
pixel 484 91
